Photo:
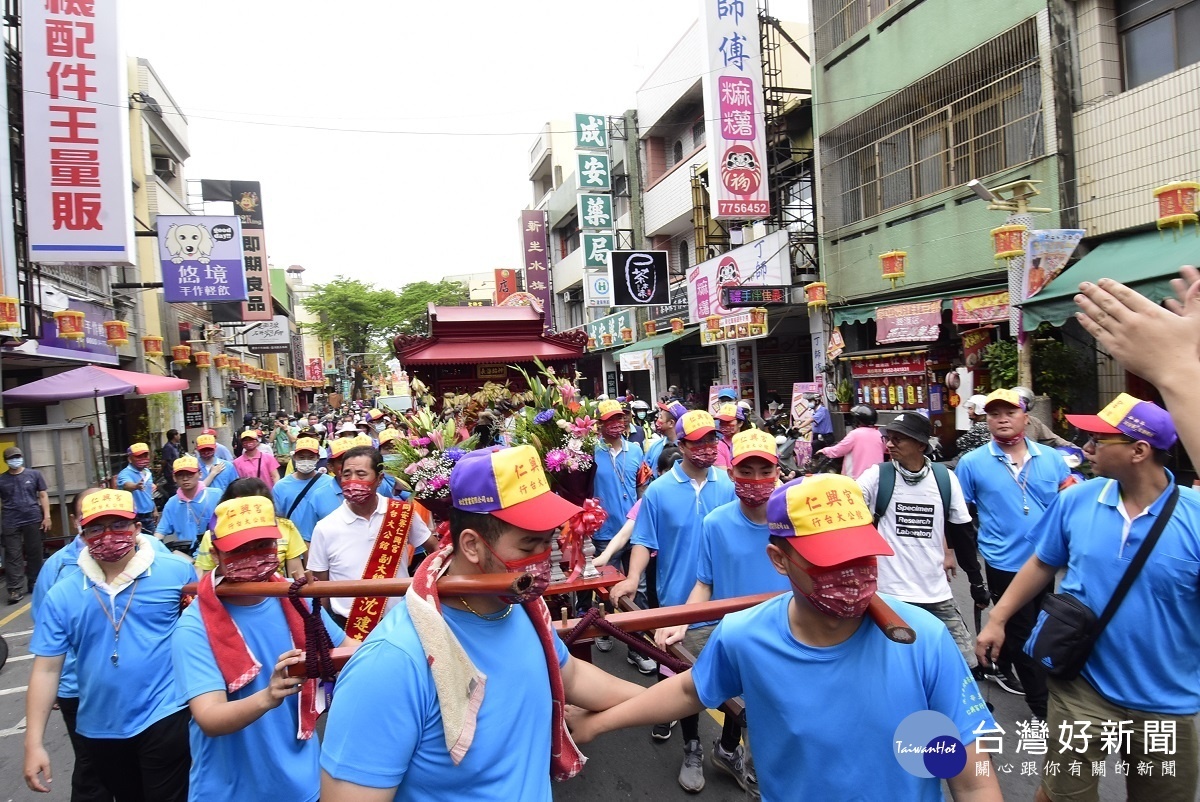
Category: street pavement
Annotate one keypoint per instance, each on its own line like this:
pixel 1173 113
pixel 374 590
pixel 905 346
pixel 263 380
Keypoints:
pixel 623 765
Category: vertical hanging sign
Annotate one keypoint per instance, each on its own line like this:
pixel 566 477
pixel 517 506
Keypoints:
pixel 535 249
pixel 76 109
pixel 733 100
pixel 246 197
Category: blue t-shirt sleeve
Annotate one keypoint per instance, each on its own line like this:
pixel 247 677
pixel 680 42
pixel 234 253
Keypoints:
pixel 966 480
pixel 644 532
pixel 49 633
pixel 371 737
pixel 704 563
pixel 716 673
pixel 40 484
pixel 951 689
pixel 1049 535
pixel 166 526
pixel 196 671
pixel 560 649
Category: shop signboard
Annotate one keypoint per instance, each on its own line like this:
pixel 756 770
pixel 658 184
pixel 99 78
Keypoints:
pixel 272 337
pixel 978 309
pixel 201 258
pixel 888 366
pixel 677 306
pixel 593 171
pixel 316 370
pixel 597 246
pixel 640 278
pixel 733 102
pixel 638 360
pixel 246 197
pixel 732 328
pixel 506 284
pixel 763 262
pixel 595 212
pixel 740 297
pixel 76 134
pixel 911 322
pixel 92 348
pixel 591 132
pixel 974 342
pixel 800 411
pixel 193 411
pixel 598 290
pixel 612 331
pixel 535 247
pixel 1046 255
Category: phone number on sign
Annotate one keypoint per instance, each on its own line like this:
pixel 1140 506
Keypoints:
pixel 761 208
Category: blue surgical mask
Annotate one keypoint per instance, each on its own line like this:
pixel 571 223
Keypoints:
pixel 16 463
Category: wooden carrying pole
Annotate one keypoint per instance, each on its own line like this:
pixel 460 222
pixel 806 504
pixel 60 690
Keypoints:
pixel 475 585
pixel 648 620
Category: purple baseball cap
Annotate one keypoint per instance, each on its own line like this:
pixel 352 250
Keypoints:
pixel 510 484
pixel 1132 417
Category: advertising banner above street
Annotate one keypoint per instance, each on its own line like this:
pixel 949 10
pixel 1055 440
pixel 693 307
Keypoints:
pixel 762 262
pixel 201 258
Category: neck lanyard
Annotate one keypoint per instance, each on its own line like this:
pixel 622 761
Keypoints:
pixel 1016 476
pixel 620 470
pixel 116 623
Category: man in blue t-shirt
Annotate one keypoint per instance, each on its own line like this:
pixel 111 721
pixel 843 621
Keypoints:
pixel 1142 670
pixel 732 561
pixel 137 479
pixel 216 472
pixel 482 729
pixel 296 493
pixel 827 693
pixel 1011 481
pixel 669 521
pixel 664 425
pixel 186 514
pixel 252 725
pixel 117 623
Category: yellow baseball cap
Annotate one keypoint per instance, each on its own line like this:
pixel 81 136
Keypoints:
pixel 107 502
pixel 1003 396
pixel 186 464
pixel 241 520
pixel 510 484
pixel 206 441
pixel 754 443
pixel 727 412
pixel 608 409
pixel 340 446
pixel 361 440
pixel 694 425
pixel 388 435
pixel 139 448
pixel 308 445
pixel 826 520
pixel 249 434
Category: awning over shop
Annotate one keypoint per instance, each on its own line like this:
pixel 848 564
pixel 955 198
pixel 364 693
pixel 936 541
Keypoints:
pixel 884 353
pixel 654 343
pixel 448 353
pixel 1146 262
pixel 483 335
pixel 861 313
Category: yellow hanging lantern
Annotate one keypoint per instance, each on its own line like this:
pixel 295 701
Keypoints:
pixel 816 294
pixel 203 359
pixel 70 324
pixel 1008 241
pixel 1177 204
pixel 116 332
pixel 713 322
pixel 677 325
pixel 650 327
pixel 221 362
pixel 892 265
pixel 247 371
pixel 152 345
pixel 181 354
pixel 9 313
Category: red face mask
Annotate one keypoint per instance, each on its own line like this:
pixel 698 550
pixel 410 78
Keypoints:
pixel 841 591
pixel 253 565
pixel 702 456
pixel 357 492
pixel 110 546
pixel 140 462
pixel 754 492
pixel 536 565
pixel 613 429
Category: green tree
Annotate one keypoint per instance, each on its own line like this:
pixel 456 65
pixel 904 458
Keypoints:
pixel 363 319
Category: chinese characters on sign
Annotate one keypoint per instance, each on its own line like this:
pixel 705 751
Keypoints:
pixel 535 249
pixel 201 258
pixel 611 331
pixel 76 111
pixel 271 337
pixel 246 197
pixel 595 212
pixel 763 262
pixel 991 308
pixel 596 249
pixel 593 171
pixel 731 328
pixel 906 323
pixel 734 297
pixel 591 132
pixel 316 370
pixel 92 348
pixel 640 278
pixel 506 284
pixel 733 98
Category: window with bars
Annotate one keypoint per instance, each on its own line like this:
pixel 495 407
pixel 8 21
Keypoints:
pixel 838 20
pixel 974 117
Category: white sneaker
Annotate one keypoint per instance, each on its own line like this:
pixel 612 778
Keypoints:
pixel 604 643
pixel 644 664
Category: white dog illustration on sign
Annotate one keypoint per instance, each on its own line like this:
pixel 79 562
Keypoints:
pixel 189 242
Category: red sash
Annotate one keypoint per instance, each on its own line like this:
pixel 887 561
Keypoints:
pixel 386 554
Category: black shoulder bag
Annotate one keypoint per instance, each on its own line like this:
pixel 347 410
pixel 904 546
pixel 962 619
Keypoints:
pixel 299 498
pixel 1067 629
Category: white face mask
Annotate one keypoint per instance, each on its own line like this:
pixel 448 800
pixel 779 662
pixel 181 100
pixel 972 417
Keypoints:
pixel 16 463
pixel 304 465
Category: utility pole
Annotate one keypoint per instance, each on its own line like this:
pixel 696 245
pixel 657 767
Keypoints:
pixel 1014 198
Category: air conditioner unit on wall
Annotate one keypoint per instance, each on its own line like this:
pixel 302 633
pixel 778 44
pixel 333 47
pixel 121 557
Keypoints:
pixel 165 167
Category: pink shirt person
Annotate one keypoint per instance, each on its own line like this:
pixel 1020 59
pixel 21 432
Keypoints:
pixel 861 448
pixel 256 461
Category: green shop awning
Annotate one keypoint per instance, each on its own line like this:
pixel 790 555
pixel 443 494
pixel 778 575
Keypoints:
pixel 861 313
pixel 1147 262
pixel 654 343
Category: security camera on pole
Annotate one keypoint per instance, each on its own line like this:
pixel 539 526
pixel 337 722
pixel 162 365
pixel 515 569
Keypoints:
pixel 1014 198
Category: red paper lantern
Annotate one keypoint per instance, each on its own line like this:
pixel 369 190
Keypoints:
pixel 816 294
pixel 181 354
pixel 152 345
pixel 116 332
pixel 650 327
pixel 9 313
pixel 677 325
pixel 221 361
pixel 1177 204
pixel 1008 241
pixel 70 324
pixel 203 359
pixel 892 265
